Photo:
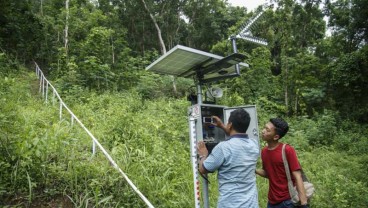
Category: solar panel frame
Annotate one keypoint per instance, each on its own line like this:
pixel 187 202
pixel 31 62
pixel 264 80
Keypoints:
pixel 183 61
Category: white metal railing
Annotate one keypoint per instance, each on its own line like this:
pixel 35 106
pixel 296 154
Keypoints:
pixel 44 87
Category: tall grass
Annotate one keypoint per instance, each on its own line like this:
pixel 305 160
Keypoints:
pixel 45 160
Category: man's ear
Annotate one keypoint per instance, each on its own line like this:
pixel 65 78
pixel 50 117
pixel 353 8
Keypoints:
pixel 276 137
pixel 230 125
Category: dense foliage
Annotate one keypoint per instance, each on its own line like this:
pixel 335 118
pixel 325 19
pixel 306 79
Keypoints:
pixel 95 53
pixel 105 45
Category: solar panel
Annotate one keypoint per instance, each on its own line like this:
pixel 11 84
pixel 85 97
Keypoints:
pixel 183 61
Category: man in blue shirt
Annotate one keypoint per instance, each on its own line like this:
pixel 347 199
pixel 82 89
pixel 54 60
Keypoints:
pixel 235 160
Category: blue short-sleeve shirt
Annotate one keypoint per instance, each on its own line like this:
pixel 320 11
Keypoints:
pixel 235 159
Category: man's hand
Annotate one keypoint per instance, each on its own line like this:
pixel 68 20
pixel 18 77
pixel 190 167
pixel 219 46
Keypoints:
pixel 203 153
pixel 202 149
pixel 262 173
pixel 218 123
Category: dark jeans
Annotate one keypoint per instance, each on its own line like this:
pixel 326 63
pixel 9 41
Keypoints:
pixel 284 204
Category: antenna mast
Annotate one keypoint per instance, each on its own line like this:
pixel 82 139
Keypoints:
pixel 245 33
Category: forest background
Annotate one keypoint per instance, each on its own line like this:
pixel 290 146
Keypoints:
pixel 95 53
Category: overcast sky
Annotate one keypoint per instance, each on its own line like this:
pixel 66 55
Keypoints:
pixel 249 4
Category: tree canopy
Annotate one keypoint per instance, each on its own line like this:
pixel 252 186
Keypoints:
pixel 106 44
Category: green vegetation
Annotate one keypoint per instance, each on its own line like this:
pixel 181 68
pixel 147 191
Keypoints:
pixel 47 161
pixel 95 53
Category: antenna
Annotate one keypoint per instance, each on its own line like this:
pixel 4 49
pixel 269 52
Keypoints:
pixel 245 33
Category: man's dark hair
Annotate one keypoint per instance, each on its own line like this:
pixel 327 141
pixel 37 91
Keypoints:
pixel 240 120
pixel 282 127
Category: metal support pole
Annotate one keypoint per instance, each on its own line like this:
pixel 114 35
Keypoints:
pixel 199 93
pixel 235 50
pixel 204 181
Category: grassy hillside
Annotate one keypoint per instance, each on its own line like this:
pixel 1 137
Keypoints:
pixel 46 161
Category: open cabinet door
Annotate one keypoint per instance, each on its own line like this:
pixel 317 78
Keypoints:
pixel 252 131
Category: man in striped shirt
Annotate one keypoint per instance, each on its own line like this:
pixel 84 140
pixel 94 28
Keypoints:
pixel 235 160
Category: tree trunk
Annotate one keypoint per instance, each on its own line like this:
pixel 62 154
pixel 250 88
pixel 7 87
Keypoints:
pixel 41 8
pixel 296 103
pixel 112 50
pixel 66 27
pixel 161 41
pixel 162 44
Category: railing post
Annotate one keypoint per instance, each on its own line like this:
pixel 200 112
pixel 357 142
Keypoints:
pixel 93 148
pixel 61 109
pixel 40 90
pixel 47 89
pixel 43 85
pixel 53 97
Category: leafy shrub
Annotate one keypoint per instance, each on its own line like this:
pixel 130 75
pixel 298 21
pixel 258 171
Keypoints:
pixel 318 131
pixel 7 65
pixel 352 137
pixel 336 185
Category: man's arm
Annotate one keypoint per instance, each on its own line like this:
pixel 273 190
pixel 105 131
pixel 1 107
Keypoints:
pixel 203 153
pixel 218 123
pixel 300 187
pixel 261 172
pixel 201 168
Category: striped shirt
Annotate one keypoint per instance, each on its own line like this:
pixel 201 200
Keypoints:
pixel 235 159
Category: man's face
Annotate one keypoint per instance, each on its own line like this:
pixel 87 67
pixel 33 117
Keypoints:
pixel 269 132
pixel 228 127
